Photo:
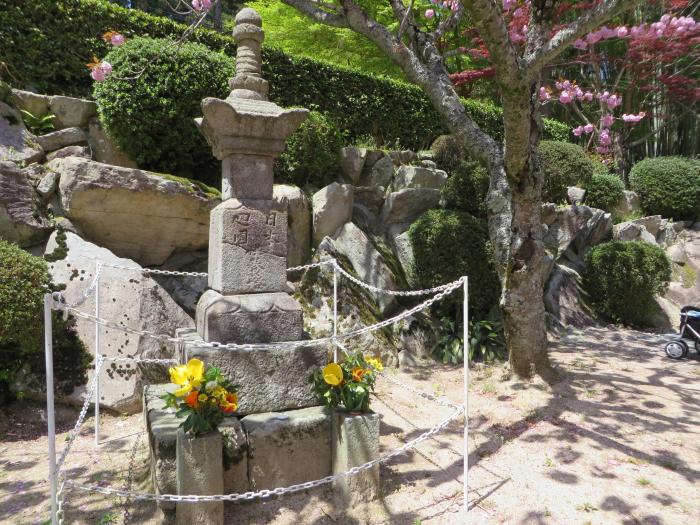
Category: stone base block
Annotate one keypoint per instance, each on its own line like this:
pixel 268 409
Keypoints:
pixel 286 448
pixel 268 380
pixel 259 318
pixel 200 470
pixel 248 246
pixel 355 442
pixel 235 447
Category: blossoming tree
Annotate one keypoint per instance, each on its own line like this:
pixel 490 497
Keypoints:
pixel 518 56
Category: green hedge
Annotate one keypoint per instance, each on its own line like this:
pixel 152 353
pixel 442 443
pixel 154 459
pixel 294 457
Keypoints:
pixel 668 186
pixel 563 164
pixel 604 192
pixel 23 281
pixel 466 189
pixel 623 278
pixel 46 44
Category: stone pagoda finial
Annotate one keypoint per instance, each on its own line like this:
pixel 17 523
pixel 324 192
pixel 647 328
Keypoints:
pixel 248 81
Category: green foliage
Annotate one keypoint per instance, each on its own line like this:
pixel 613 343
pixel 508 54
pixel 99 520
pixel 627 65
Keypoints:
pixel 23 281
pixel 668 186
pixel 466 189
pixel 37 33
pixel 38 125
pixel 563 164
pixel 449 349
pixel 486 340
pixel 604 192
pixel 312 153
pixel 151 117
pixel 622 279
pixel 449 244
pixel 448 152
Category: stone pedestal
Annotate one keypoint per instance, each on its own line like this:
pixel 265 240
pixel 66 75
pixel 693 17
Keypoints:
pixel 355 442
pixel 200 472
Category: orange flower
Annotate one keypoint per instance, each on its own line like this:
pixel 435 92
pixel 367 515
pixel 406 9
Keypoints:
pixel 357 374
pixel 191 399
pixel 232 398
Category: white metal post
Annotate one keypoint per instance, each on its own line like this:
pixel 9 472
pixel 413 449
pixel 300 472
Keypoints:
pixel 50 415
pixel 335 311
pixel 466 393
pixel 97 354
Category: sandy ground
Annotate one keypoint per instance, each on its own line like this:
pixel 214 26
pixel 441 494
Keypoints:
pixel 617 441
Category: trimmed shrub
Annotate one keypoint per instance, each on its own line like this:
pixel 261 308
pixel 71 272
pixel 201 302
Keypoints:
pixel 36 34
pixel 151 117
pixel 622 279
pixel 604 192
pixel 563 164
pixel 466 189
pixel 23 282
pixel 449 244
pixel 312 153
pixel 668 186
pixel 448 152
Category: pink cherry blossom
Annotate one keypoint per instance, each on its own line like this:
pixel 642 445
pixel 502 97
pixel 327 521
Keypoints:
pixel 101 71
pixel 544 94
pixel 607 120
pixel 580 44
pixel 622 32
pixel 201 5
pixel 117 39
pixel 588 96
pixel 604 138
pixel 429 13
pixel 565 97
pixel 588 128
pixel 633 119
pixel 578 131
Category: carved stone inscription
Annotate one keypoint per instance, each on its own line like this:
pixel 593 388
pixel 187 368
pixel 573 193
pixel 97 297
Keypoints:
pixel 260 229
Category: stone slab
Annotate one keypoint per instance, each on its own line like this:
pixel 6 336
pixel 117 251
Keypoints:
pixel 286 448
pixel 247 177
pixel 269 380
pixel 60 139
pixel 355 442
pixel 200 471
pixel 332 207
pixel 235 456
pixel 248 247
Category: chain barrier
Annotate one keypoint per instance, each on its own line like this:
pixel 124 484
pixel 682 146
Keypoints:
pixel 81 417
pixel 247 496
pixel 90 289
pixel 435 399
pixel 139 360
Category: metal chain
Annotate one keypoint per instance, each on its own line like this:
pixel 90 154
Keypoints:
pixel 81 417
pixel 138 360
pixel 436 399
pixel 90 289
pixel 140 496
pixel 60 500
pixel 155 271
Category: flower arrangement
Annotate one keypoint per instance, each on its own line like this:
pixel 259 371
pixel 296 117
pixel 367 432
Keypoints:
pixel 348 383
pixel 204 395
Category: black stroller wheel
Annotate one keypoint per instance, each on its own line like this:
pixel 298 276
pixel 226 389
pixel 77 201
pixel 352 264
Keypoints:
pixel 677 349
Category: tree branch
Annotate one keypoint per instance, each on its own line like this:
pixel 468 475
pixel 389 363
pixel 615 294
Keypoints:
pixel 492 28
pixel 563 38
pixel 311 9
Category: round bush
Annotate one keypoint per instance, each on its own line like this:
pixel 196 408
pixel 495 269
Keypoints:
pixel 448 152
pixel 151 117
pixel 23 282
pixel 604 192
pixel 622 279
pixel 449 244
pixel 466 189
pixel 312 153
pixel 563 164
pixel 668 186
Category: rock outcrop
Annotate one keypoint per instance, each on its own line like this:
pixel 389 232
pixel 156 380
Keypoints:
pixel 332 207
pixel 17 144
pixel 21 220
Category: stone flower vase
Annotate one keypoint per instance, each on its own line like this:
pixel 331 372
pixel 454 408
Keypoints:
pixel 200 471
pixel 355 442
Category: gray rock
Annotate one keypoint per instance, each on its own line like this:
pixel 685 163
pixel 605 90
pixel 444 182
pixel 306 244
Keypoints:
pixel 47 185
pixel 200 471
pixel 653 229
pixel 577 228
pixel 417 177
pixel 71 112
pixel 407 204
pixel 677 254
pixel 286 448
pixel 332 207
pixel 403 249
pixel 381 172
pixel 565 300
pixel 430 164
pixel 549 213
pixel 575 195
pixel 352 160
pixel 62 138
pixel 112 204
pixel 298 223
pixel 368 263
pixel 69 151
pixel 37 105
pixel 20 219
pixel 252 318
pixel 235 444
pixel 17 144
pixel 248 247
pixel 367 206
pixel 126 297
pixel 103 147
pixel 355 442
pixel 285 371
pixel 373 155
pixel 629 204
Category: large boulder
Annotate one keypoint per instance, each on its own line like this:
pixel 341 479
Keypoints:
pixel 405 205
pixel 332 207
pixel 367 262
pixel 381 172
pixel 566 301
pixel 21 220
pixel 60 139
pixel 298 223
pixel 575 195
pixel 352 161
pixel 367 205
pixel 403 248
pixel 419 177
pixel 653 229
pixel 629 204
pixel 103 147
pixel 127 298
pixel 17 144
pixel 573 230
pixel 137 214
pixel 71 112
pixel 37 105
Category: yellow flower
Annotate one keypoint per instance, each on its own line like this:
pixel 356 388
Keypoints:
pixel 375 363
pixel 187 376
pixel 333 374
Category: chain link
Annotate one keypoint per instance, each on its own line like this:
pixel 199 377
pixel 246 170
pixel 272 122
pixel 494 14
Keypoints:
pixel 90 289
pixel 435 399
pixel 138 360
pixel 247 496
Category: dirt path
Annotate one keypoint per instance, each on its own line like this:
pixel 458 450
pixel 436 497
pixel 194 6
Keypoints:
pixel 616 442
